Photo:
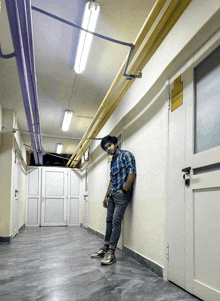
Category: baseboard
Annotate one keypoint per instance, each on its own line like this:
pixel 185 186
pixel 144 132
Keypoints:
pixel 5 238
pixel 22 227
pixel 144 261
pixel 9 238
pixel 96 233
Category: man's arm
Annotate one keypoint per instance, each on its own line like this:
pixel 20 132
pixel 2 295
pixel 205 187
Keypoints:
pixel 105 202
pixel 130 180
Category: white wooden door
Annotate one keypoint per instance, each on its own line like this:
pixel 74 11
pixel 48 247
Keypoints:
pixel 74 197
pixel 15 204
pixel 202 196
pixel 54 197
pixel 194 202
pixel 34 196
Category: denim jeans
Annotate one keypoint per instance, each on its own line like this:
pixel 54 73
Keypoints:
pixel 117 204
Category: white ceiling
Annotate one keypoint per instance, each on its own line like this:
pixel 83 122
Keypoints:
pixel 59 88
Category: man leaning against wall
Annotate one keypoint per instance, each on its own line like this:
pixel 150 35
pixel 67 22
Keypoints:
pixel 117 198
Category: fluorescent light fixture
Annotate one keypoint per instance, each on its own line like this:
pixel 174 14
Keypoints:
pixel 59 148
pixel 90 17
pixel 66 120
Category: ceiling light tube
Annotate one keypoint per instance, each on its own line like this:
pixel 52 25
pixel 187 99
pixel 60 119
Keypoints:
pixel 90 17
pixel 59 148
pixel 66 120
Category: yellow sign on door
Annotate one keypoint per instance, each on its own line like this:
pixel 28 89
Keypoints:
pixel 177 93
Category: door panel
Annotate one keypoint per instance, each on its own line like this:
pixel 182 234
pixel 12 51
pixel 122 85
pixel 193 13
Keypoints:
pixel 54 183
pixel 32 213
pixel 34 196
pixel 54 210
pixel 54 197
pixel 74 211
pixel 207 242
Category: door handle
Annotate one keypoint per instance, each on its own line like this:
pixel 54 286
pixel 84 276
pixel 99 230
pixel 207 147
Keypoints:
pixel 187 172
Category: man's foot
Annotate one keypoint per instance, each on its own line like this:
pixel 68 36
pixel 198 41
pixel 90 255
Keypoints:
pixel 109 258
pixel 100 253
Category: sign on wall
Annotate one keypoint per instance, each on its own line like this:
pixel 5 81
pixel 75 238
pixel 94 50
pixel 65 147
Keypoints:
pixel 177 93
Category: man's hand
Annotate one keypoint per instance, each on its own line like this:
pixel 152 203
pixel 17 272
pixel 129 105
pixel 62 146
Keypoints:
pixel 105 202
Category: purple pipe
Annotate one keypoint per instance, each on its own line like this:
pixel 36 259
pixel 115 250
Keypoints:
pixel 26 31
pixel 23 45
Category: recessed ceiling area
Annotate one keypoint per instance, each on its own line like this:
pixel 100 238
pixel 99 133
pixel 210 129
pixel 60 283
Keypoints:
pixel 59 87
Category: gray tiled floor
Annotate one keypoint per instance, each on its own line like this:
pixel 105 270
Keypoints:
pixel 54 264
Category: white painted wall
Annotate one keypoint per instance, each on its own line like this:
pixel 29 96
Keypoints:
pixel 10 142
pixel 142 114
pixel 5 175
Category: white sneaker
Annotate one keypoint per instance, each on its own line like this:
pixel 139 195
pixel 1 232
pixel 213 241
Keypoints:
pixel 109 258
pixel 100 253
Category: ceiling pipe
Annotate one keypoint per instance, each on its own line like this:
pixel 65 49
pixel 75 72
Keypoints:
pixel 21 32
pixel 170 17
pixel 34 99
pixel 145 29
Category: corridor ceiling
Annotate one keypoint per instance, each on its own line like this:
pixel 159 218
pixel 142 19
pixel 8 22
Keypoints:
pixel 55 43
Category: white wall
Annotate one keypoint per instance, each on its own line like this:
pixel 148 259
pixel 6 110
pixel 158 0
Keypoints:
pixel 142 118
pixel 5 174
pixel 10 143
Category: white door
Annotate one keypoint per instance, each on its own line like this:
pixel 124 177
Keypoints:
pixel 86 211
pixel 54 197
pixel 15 205
pixel 74 197
pixel 194 202
pixel 33 196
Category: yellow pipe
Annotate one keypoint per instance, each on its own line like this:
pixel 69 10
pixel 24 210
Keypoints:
pixel 176 8
pixel 145 29
pixel 98 128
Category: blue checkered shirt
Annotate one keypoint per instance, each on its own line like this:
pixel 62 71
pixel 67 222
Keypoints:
pixel 122 165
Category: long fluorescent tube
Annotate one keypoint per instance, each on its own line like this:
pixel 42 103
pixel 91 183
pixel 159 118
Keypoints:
pixel 90 17
pixel 59 148
pixel 66 120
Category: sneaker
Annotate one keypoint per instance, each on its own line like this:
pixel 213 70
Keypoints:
pixel 109 258
pixel 100 253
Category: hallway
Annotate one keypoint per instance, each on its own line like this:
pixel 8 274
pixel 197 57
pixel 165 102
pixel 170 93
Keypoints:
pixel 54 264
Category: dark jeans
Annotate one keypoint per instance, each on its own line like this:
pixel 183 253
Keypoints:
pixel 117 204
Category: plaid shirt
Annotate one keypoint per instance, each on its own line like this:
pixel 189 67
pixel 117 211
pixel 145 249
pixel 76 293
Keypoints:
pixel 122 165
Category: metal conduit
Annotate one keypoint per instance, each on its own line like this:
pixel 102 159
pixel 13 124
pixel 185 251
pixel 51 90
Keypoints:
pixel 21 31
pixel 145 29
pixel 170 17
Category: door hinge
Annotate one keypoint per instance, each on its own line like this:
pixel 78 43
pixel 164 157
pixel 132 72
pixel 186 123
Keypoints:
pixel 168 252
pixel 169 102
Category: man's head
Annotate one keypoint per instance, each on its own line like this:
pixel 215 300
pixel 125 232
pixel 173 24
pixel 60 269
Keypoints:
pixel 109 144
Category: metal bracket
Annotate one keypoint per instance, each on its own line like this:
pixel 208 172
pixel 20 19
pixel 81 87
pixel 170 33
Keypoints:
pixel 168 252
pixel 131 76
pixel 6 56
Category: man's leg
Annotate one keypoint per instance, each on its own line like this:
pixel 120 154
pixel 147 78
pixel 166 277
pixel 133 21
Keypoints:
pixel 121 202
pixel 109 217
